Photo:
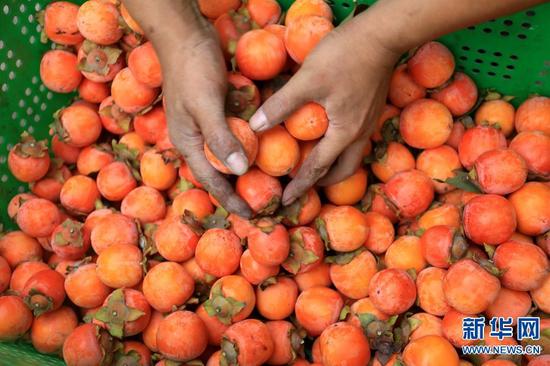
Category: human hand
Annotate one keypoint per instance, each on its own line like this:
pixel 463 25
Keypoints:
pixel 348 74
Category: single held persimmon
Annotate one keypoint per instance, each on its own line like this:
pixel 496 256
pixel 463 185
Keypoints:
pixel 16 318
pixel 59 72
pixel 218 252
pixel 425 123
pixel 533 114
pixel 429 284
pixel 403 90
pixel 304 33
pixel 500 171
pixel 309 122
pixel 460 95
pixel 28 160
pixel 44 291
pixel 181 336
pixel 244 135
pixel 432 65
pixel 350 190
pixel 317 308
pixel 302 8
pixel 410 192
pixel 278 152
pixel 396 159
pixel 260 55
pixel 478 140
pixel 247 342
pixel 167 286
pixel 430 350
pixel 269 243
pixel 231 299
pixel 335 342
pixel 305 148
pixel 489 219
pixel 392 291
pixel 351 273
pixel 98 21
pixel 524 265
pixel 469 288
pixel 275 301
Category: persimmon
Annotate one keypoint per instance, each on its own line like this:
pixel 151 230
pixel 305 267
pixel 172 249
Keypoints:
pixel 500 171
pixel 350 190
pixel 79 194
pixel 302 8
pixel 532 114
pixel 335 342
pixel 389 111
pixel 99 63
pixel 98 21
pixel 145 65
pixel 175 240
pixel 429 285
pixel 261 191
pixel 49 331
pixel 305 149
pixel 181 336
pixel 247 343
pixel 255 272
pixel 425 123
pixel 304 210
pixel 59 72
pixel 28 160
pixel 113 118
pixel 469 288
pixel 316 276
pixel 218 252
pixel 62 150
pixel 17 318
pixel 17 247
pixel 240 226
pixel 478 140
pixel 113 228
pixel 460 95
pixel 87 344
pixel 534 148
pixel 451 325
pixel 244 135
pixel 439 242
pixel 130 94
pixel 93 92
pixel 425 324
pixel 403 90
pixel 44 291
pixel 278 152
pixel 276 301
pixel 532 212
pixel 5 274
pixel 430 350
pixel 157 170
pixel 489 219
pixel 145 204
pixel 149 334
pixel 456 135
pixel 397 158
pixel 22 272
pixel 150 126
pixel 167 286
pixel 431 65
pixel 498 113
pixel 308 122
pixel 214 8
pixel 317 308
pixel 214 327
pixel 69 241
pixel 287 342
pixel 260 55
pixel 79 125
pixel 269 243
pixel 392 291
pixel 231 299
pixel 135 352
pixel 84 288
pixel 120 265
pixel 92 158
pixel 343 228
pixel 405 253
pixel 540 295
pixel 381 232
pixel 38 217
pixel 196 201
pixel 445 214
pixel 439 163
pixel 263 12
pixel 411 192
pixel 510 303
pixel 60 23
pixel 364 307
pixel 130 22
pixel 524 265
pixel 351 276
pixel 304 33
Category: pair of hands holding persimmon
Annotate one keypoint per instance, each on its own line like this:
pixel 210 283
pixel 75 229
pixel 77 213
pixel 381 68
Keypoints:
pixel 347 73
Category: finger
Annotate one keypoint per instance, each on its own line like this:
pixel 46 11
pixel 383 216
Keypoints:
pixel 317 163
pixel 219 138
pixel 280 105
pixel 190 143
pixel 347 164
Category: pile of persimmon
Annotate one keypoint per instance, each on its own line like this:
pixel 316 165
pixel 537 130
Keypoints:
pixel 123 258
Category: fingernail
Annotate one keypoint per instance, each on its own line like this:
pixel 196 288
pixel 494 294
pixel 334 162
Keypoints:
pixel 258 121
pixel 237 162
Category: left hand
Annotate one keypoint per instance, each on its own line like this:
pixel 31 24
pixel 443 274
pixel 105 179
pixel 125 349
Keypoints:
pixel 348 74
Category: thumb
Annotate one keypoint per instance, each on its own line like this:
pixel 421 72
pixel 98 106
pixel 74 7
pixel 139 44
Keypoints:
pixel 281 104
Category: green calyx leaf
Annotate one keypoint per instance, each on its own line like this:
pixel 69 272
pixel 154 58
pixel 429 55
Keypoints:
pixel 29 147
pixel 412 273
pixel 190 219
pixel 296 342
pixel 459 247
pixel 490 250
pixel 223 308
pixel 463 181
pixel 321 227
pixel 268 282
pixel 38 302
pixel 271 206
pixel 72 234
pixel 292 212
pixel 346 310
pixel 299 255
pixel 217 220
pixel 344 258
pixel 229 354
pixel 414 323
pixel 132 358
pixel 116 313
pixel 184 185
pixel 125 154
pixel 390 130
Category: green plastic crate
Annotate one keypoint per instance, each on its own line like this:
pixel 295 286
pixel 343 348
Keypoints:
pixel 509 54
